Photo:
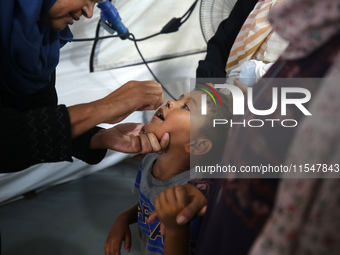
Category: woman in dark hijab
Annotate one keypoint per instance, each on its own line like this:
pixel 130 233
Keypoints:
pixel 34 128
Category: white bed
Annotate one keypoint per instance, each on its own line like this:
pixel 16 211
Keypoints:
pixel 116 62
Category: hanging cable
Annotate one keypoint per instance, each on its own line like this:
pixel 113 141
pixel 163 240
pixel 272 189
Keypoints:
pixel 146 64
pixel 189 12
pixel 147 37
pixel 94 48
pixel 172 26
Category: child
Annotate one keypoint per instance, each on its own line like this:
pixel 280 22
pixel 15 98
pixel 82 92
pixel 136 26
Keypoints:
pixel 157 172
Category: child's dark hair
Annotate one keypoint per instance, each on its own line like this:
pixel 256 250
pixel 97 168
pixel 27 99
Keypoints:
pixel 218 134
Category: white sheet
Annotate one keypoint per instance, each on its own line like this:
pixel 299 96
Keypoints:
pixel 144 19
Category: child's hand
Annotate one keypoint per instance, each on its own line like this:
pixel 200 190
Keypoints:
pixel 169 203
pixel 196 207
pixel 119 232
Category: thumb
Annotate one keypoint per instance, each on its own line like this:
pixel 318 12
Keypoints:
pixel 195 207
pixel 128 242
pixel 165 141
pixel 153 217
pixel 202 211
pixel 163 229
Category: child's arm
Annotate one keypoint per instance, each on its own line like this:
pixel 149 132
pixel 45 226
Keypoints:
pixel 120 231
pixel 168 204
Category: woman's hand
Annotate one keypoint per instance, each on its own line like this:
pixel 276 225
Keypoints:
pixel 196 207
pixel 129 138
pixel 169 203
pixel 132 96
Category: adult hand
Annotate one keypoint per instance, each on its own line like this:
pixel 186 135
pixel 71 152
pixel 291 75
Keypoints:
pixel 196 207
pixel 132 96
pixel 169 203
pixel 129 138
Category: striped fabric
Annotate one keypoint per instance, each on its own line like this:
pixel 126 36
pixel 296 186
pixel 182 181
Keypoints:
pixel 256 39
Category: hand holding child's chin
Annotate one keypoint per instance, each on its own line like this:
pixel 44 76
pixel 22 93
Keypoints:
pixel 129 138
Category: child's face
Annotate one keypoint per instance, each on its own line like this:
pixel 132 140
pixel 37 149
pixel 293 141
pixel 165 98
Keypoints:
pixel 174 118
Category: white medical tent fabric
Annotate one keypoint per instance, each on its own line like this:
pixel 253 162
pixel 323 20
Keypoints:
pixel 145 19
pixel 116 62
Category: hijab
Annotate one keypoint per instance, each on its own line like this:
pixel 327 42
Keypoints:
pixel 29 49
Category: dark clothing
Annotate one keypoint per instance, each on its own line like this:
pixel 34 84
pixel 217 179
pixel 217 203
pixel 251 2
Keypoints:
pixel 219 46
pixel 29 49
pixel 41 135
pixel 46 96
pixel 238 208
pixel 35 129
pixel 238 225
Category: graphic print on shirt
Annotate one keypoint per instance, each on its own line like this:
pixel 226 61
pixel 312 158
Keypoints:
pixel 145 208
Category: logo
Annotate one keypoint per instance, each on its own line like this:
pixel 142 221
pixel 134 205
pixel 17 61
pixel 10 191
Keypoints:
pixel 239 104
pixel 204 97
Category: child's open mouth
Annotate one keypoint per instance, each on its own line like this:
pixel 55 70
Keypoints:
pixel 159 114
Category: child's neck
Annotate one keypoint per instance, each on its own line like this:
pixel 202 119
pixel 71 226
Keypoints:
pixel 167 166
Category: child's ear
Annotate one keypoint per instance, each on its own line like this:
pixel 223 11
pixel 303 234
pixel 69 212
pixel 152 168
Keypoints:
pixel 200 146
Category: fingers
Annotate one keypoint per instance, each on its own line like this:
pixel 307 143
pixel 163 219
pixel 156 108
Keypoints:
pixel 157 205
pixel 195 207
pixel 128 242
pixel 110 249
pixel 202 211
pixel 154 142
pixel 132 96
pixel 181 196
pixel 161 201
pixel 135 143
pixel 149 143
pixel 162 229
pixel 145 144
pixel 165 141
pixel 153 217
pixel 188 213
pixel 150 92
pixel 176 196
pixel 168 196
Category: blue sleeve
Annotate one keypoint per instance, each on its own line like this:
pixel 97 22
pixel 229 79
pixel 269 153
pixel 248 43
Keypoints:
pixel 138 179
